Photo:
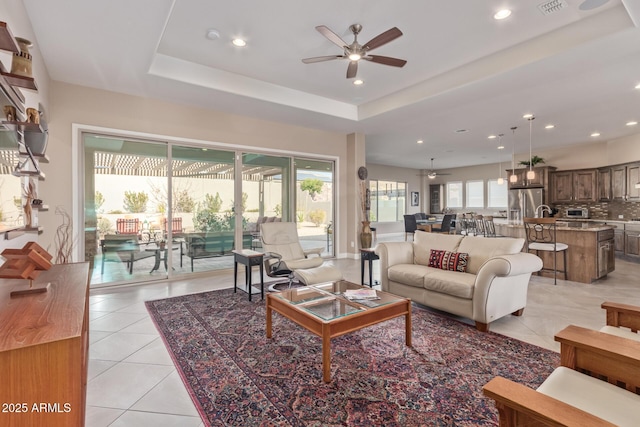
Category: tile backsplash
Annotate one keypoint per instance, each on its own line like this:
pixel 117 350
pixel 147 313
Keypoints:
pixel 605 210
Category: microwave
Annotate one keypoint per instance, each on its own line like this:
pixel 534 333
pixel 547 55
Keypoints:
pixel 577 213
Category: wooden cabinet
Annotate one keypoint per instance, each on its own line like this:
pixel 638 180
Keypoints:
pixel 619 182
pixel 604 184
pixel 436 195
pixel 633 177
pixel 606 253
pixel 574 186
pixel 618 239
pixel 632 241
pixel 541 178
pixel 44 348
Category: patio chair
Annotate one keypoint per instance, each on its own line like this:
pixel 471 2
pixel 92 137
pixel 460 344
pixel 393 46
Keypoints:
pixel 127 226
pixel 122 248
pixel 176 226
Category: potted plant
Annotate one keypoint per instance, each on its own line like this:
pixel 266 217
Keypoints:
pixel 534 161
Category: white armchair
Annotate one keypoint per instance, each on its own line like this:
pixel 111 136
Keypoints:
pixel 287 257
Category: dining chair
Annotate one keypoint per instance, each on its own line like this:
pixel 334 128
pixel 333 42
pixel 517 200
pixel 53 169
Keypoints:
pixel 410 225
pixel 541 234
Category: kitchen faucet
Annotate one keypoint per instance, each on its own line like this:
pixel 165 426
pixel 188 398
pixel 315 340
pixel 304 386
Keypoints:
pixel 542 208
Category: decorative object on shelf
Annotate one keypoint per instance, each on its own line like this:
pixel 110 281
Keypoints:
pixel 37 141
pixel 63 239
pixel 30 195
pixel 26 263
pixel 21 64
pixel 33 116
pixel 10 113
pixel 513 178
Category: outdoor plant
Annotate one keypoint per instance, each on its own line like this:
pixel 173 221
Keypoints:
pixel 104 226
pixel 300 217
pixel 313 186
pixel 98 201
pixel 135 202
pixel 317 217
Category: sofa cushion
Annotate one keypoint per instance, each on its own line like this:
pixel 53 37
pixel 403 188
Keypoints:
pixel 480 249
pixel 452 283
pixel 408 274
pixel 424 242
pixel 445 260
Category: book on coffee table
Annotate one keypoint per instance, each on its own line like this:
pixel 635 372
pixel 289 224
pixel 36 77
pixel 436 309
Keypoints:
pixel 361 294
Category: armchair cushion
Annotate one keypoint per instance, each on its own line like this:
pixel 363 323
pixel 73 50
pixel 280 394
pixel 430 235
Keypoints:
pixel 592 395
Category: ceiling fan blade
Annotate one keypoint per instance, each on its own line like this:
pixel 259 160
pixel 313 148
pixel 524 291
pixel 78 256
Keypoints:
pixel 321 58
pixel 352 69
pixel 333 37
pixel 382 39
pixel 386 60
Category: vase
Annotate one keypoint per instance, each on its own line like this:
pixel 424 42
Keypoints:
pixel 21 64
pixel 365 235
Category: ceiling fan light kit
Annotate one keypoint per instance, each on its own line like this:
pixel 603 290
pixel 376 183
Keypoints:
pixel 355 52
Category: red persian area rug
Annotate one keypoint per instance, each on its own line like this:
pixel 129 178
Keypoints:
pixel 238 377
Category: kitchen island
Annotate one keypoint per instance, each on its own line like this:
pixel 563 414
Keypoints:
pixel 591 253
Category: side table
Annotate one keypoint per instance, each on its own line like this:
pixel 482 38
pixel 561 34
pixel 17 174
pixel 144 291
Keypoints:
pixel 370 255
pixel 248 258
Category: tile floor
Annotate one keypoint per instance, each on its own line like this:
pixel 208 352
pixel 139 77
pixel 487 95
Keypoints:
pixel 132 380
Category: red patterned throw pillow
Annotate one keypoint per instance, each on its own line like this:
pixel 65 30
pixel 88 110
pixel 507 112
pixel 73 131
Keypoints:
pixel 445 260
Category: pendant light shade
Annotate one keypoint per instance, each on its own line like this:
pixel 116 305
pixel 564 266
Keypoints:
pixel 513 178
pixel 531 174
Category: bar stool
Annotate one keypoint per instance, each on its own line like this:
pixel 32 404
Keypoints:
pixel 541 236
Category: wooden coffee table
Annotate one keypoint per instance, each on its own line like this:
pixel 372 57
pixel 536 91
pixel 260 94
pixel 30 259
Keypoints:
pixel 323 310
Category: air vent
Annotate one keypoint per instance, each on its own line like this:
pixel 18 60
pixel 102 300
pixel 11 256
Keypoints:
pixel 552 6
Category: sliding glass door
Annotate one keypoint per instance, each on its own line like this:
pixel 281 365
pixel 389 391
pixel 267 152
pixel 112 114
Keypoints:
pixel 157 209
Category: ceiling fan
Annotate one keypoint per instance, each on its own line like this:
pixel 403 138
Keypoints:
pixel 354 52
pixel 432 174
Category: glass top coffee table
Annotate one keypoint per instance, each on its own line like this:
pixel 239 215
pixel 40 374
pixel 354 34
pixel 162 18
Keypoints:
pixel 325 311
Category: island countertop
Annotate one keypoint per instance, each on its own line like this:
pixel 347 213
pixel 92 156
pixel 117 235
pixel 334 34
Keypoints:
pixel 591 253
pixel 563 225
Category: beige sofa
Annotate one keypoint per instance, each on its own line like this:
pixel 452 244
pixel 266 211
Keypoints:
pixel 494 285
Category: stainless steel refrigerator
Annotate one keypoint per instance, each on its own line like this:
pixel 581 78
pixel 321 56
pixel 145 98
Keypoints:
pixel 523 203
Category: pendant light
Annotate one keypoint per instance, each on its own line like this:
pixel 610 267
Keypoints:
pixel 531 174
pixel 513 178
pixel 500 147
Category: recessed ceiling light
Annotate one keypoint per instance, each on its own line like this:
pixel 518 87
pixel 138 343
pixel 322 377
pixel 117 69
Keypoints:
pixel 213 34
pixel 358 82
pixel 500 147
pixel 638 86
pixel 239 42
pixel 595 134
pixel 491 137
pixel 632 123
pixel 527 116
pixel 461 130
pixel 502 14
pixel 549 126
pixel 419 141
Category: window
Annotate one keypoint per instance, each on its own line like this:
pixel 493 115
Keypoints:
pixel 497 194
pixel 454 194
pixel 388 200
pixel 475 194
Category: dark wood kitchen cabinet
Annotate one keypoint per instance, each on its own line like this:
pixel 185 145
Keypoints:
pixel 574 186
pixel 633 177
pixel 618 182
pixel 604 184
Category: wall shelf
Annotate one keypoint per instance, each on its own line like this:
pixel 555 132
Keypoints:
pixel 20 81
pixel 7 41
